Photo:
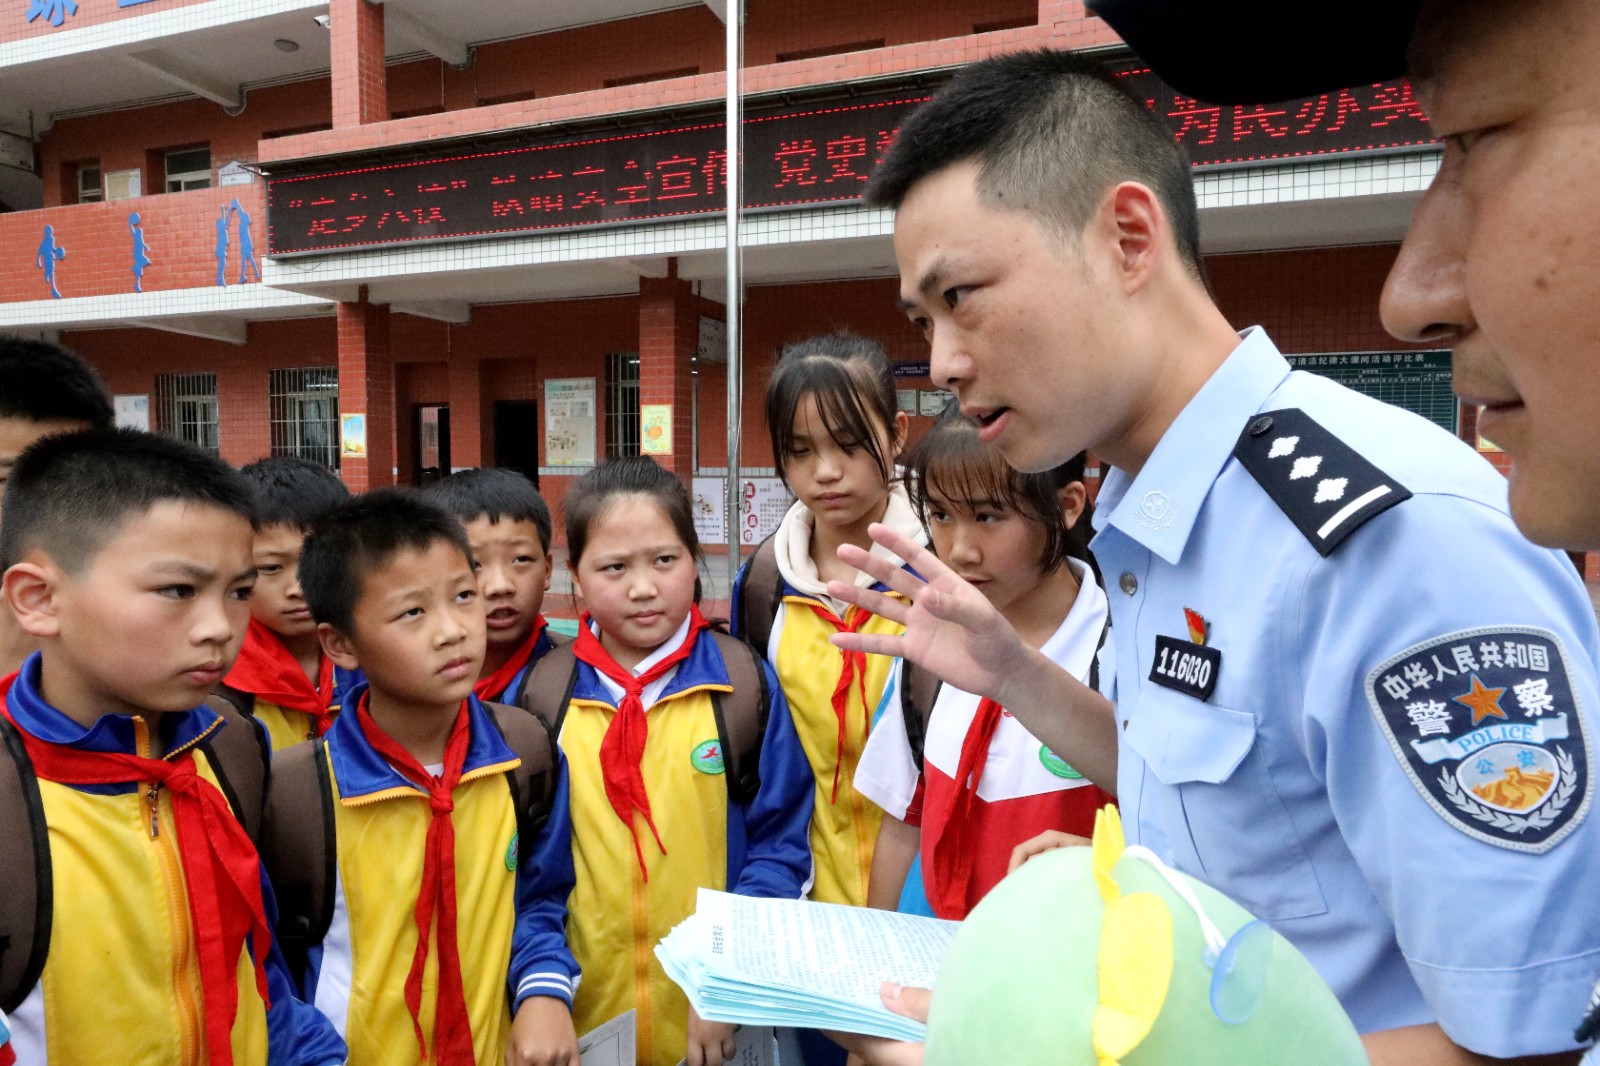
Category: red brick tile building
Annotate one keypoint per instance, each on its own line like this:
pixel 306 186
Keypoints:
pixel 488 228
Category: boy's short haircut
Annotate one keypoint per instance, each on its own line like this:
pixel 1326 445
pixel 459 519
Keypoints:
pixel 43 382
pixel 361 535
pixel 1051 132
pixel 72 493
pixel 293 491
pixel 495 494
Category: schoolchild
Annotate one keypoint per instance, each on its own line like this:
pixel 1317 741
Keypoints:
pixel 656 809
pixel 128 559
pixel 44 389
pixel 281 676
pixel 836 433
pixel 508 528
pixel 444 935
pixel 958 778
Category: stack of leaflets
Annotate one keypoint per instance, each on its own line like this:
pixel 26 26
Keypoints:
pixel 793 963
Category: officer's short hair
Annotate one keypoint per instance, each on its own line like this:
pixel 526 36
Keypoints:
pixel 43 382
pixel 1051 133
pixel 72 493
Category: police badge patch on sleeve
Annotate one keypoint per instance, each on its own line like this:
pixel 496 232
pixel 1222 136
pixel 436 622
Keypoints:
pixel 1487 725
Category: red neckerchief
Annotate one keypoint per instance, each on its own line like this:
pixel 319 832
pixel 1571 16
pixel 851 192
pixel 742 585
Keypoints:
pixel 452 1032
pixel 852 667
pixel 622 749
pixel 267 670
pixel 220 867
pixel 489 688
pixel 951 850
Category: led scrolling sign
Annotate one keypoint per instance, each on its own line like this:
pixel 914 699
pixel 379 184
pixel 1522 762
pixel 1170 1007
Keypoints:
pixel 796 157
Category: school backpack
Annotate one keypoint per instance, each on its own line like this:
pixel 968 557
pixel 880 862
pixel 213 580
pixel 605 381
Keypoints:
pixel 238 756
pixel 299 848
pixel 741 717
pixel 919 691
pixel 759 595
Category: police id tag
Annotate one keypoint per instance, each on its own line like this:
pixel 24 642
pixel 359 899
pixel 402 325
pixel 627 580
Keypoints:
pixel 1186 667
pixel 1487 725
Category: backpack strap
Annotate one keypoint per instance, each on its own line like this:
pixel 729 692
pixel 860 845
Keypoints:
pixel 533 782
pixel 547 688
pixel 238 699
pixel 759 595
pixel 742 716
pixel 557 641
pixel 26 896
pixel 919 691
pixel 298 849
pixel 241 758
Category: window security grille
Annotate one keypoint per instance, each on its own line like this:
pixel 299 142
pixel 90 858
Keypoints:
pixel 622 404
pixel 186 409
pixel 304 413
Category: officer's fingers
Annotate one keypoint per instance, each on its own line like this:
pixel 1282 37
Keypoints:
pixel 890 644
pixel 921 559
pixel 869 600
pixel 730 1047
pixel 1049 840
pixel 909 1002
pixel 881 569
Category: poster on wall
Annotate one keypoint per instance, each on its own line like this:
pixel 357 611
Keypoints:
pixel 707 499
pixel 132 412
pixel 569 422
pixel 655 428
pixel 763 503
pixel 353 436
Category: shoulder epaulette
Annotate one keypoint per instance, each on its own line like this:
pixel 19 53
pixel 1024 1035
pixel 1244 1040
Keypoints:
pixel 1325 487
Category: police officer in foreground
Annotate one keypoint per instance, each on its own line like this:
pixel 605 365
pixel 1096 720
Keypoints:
pixel 1346 692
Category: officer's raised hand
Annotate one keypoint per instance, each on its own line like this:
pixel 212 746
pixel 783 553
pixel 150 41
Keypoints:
pixel 954 631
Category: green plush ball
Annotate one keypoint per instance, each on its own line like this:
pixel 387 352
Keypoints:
pixel 1020 983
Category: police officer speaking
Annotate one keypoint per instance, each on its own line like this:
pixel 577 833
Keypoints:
pixel 1346 691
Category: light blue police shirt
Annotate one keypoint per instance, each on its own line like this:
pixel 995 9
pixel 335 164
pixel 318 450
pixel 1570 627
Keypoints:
pixel 1334 782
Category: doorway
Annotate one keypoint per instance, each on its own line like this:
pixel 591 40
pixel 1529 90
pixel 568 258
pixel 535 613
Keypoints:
pixel 516 437
pixel 431 425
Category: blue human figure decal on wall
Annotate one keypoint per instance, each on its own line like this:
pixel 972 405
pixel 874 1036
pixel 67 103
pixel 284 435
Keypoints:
pixel 141 251
pixel 247 244
pixel 54 10
pixel 222 245
pixel 49 255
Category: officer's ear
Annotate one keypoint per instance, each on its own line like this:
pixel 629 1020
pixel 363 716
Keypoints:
pixel 1073 497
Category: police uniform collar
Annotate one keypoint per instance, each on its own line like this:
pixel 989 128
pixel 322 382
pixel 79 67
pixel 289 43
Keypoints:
pixel 1159 507
pixel 110 732
pixel 361 771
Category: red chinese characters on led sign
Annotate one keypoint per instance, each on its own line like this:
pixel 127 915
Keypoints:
pixel 822 154
pixel 1366 118
pixel 801 156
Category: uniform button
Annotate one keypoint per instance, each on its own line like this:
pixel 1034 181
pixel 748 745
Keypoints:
pixel 1260 425
pixel 1128 583
pixel 1124 724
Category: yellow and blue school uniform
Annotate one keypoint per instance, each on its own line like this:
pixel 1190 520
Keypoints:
pixel 122 977
pixel 619 912
pixel 844 824
pixel 511 901
pixel 286 726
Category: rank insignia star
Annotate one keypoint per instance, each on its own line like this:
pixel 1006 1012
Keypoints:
pixel 1483 701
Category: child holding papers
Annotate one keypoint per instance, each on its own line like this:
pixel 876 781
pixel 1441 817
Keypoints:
pixel 656 814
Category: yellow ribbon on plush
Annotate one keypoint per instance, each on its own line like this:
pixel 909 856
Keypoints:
pixel 1135 955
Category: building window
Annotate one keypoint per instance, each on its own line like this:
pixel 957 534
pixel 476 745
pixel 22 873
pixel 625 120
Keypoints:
pixel 189 168
pixel 186 409
pixel 622 404
pixel 304 413
pixel 89 190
